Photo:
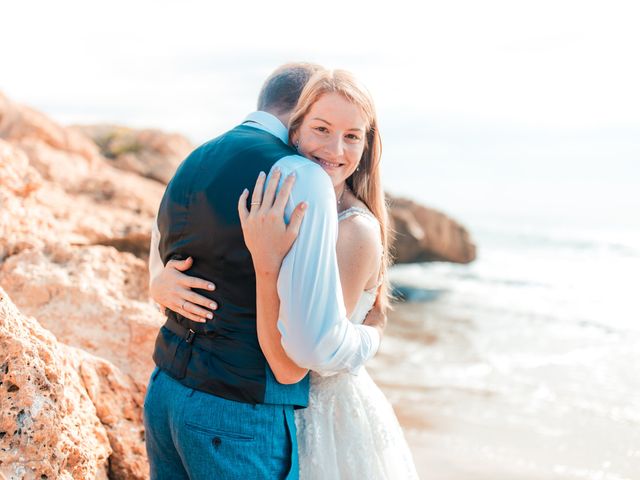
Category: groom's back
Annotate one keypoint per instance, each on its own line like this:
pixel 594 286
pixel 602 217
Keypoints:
pixel 198 217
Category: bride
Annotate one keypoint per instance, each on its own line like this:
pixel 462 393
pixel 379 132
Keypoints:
pixel 349 429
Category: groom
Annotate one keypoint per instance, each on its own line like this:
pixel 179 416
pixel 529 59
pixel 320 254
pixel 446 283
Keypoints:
pixel 213 407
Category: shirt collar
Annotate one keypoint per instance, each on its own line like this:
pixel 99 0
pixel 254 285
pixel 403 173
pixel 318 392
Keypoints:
pixel 269 123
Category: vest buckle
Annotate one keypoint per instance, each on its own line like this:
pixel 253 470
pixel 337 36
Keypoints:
pixel 190 336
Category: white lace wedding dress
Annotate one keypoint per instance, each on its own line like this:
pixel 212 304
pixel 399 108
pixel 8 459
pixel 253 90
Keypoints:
pixel 349 430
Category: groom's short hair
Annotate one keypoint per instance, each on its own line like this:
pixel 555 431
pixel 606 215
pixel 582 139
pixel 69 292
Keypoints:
pixel 281 90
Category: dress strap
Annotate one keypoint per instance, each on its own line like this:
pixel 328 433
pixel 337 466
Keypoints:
pixel 356 211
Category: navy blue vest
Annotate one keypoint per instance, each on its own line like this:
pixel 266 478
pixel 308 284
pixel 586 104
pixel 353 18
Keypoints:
pixel 198 217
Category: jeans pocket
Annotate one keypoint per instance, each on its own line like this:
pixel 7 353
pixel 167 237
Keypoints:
pixel 240 437
pixel 215 416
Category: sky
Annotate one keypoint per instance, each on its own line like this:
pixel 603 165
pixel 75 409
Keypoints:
pixel 488 101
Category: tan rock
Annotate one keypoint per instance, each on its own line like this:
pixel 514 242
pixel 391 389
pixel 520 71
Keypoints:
pixel 150 153
pixel 124 190
pixel 24 221
pixel 115 208
pixel 118 400
pixel 64 414
pixel 16 175
pixel 424 234
pixel 48 194
pixel 65 168
pixel 19 123
pixel 48 424
pixel 94 298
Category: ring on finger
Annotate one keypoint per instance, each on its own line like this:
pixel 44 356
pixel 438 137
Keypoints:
pixel 256 203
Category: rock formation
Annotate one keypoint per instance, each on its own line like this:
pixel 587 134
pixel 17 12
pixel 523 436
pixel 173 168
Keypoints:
pixel 70 412
pixel 64 414
pixel 424 235
pixel 90 297
pixel 150 153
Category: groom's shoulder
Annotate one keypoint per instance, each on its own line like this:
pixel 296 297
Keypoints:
pixel 245 139
pixel 226 137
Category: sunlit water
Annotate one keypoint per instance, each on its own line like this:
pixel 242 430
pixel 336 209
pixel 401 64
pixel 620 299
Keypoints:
pixel 524 364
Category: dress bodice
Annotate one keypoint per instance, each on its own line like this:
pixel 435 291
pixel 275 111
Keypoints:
pixel 365 303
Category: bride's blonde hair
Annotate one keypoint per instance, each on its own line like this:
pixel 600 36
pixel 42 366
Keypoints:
pixel 365 182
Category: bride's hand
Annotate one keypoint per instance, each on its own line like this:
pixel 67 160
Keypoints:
pixel 266 235
pixel 377 318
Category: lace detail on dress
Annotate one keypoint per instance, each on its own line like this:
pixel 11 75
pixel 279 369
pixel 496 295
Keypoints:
pixel 356 211
pixel 349 431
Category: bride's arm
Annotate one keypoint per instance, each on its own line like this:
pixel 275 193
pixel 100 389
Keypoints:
pixel 171 289
pixel 359 253
pixel 264 221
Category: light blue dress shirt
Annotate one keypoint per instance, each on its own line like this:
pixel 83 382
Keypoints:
pixel 316 333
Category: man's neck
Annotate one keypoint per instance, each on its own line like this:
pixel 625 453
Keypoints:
pixel 283 117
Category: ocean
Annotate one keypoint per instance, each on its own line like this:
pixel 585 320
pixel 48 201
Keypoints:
pixel 524 363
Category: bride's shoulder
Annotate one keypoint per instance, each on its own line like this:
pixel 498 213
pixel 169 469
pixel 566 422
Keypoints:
pixel 360 230
pixel 359 248
pixel 357 220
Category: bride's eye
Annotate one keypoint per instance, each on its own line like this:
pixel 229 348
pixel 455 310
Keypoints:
pixel 321 129
pixel 353 137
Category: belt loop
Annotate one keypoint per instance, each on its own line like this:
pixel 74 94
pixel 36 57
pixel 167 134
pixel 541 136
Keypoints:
pixel 190 336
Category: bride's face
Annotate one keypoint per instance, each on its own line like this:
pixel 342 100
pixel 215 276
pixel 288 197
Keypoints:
pixel 332 134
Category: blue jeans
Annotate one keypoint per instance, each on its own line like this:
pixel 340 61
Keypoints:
pixel 194 435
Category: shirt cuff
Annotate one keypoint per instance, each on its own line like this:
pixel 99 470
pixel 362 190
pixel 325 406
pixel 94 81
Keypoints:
pixel 375 339
pixel 374 336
